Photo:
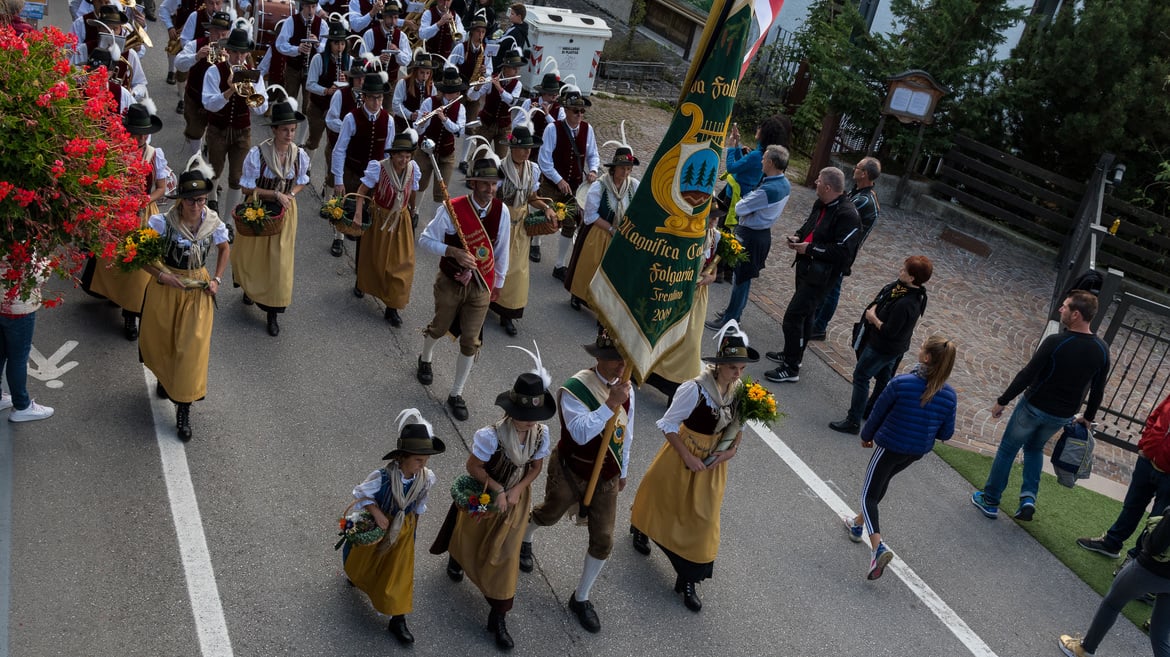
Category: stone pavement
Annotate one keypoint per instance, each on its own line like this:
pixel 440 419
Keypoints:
pixel 994 308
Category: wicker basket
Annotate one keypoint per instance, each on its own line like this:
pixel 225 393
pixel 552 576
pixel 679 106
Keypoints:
pixel 346 225
pixel 272 224
pixel 536 224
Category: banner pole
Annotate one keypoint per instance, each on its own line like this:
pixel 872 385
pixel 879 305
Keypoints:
pixel 606 436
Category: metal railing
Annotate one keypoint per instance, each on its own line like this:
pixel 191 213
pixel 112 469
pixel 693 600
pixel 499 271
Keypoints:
pixel 1138 335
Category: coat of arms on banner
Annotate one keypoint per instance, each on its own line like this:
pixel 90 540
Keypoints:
pixel 685 178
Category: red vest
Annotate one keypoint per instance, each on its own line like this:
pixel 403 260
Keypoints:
pixel 495 110
pixel 580 458
pixel 571 168
pixel 384 192
pixel 467 68
pixel 327 78
pixel 381 42
pixel 441 43
pixel 236 113
pixel 194 92
pixel 299 32
pixel 444 139
pixel 368 141
pixel 185 9
pixel 491 226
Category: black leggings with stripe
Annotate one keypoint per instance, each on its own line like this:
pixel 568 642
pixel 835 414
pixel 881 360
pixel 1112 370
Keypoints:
pixel 883 465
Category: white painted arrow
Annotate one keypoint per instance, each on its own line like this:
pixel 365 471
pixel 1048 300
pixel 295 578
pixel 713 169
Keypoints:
pixel 50 369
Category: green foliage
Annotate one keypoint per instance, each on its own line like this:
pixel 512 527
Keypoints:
pixel 762 88
pixel 637 16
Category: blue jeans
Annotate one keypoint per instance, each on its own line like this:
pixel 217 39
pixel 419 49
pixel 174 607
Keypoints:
pixel 738 300
pixel 828 306
pixel 1029 429
pixel 15 344
pixel 870 365
pixel 1145 484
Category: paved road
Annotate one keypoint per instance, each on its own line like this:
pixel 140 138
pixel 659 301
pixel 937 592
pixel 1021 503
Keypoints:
pixel 104 543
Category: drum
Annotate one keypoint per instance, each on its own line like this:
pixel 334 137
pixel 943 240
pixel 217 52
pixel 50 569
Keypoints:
pixel 268 14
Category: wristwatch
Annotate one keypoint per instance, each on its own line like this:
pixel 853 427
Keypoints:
pixel 217 279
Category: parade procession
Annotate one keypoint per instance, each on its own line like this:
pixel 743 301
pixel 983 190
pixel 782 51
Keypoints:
pixel 340 263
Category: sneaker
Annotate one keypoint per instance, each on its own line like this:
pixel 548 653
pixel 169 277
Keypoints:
pixel 775 356
pixel 784 374
pixel 1099 546
pixel 988 510
pixel 882 557
pixel 34 412
pixel 855 530
pixel 1027 509
pixel 5 401
pixel 1071 646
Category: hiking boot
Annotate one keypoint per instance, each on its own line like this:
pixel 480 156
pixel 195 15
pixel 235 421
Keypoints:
pixel 882 557
pixel 1099 546
pixel 989 510
pixel 855 530
pixel 526 564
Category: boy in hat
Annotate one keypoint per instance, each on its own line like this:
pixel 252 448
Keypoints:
pixel 302 35
pixel 192 63
pixel 395 495
pixel 501 94
pixel 471 59
pixel 229 115
pixel 325 72
pixel 366 134
pixel 386 41
pixel 411 90
pixel 587 401
pixel 385 253
pixel 447 123
pixel 506 457
pixel 568 158
pixel 473 246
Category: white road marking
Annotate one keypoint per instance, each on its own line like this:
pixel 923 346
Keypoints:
pixel 919 588
pixel 6 469
pixel 210 624
pixel 50 369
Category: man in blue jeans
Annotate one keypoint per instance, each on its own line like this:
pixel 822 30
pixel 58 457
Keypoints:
pixel 1053 382
pixel 1150 480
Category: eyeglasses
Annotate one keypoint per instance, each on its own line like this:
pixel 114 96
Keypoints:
pixel 577 111
pixel 196 201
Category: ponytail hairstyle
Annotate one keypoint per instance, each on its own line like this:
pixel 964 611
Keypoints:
pixel 936 371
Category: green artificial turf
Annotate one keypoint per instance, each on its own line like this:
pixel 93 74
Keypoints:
pixel 1062 515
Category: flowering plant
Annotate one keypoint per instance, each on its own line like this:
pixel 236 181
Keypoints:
pixel 140 248
pixel 255 217
pixel 730 250
pixel 754 402
pixel 71 177
pixel 333 209
pixel 472 496
pixel 358 528
pixel 564 209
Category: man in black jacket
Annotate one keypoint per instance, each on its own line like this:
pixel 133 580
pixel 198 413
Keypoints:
pixel 824 246
pixel 884 337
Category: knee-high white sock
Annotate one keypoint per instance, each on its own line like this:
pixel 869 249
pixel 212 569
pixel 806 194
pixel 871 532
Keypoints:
pixel 171 64
pixel 428 352
pixel 337 235
pixel 530 532
pixel 535 241
pixel 462 371
pixel 231 200
pixel 588 577
pixel 564 250
pixel 193 147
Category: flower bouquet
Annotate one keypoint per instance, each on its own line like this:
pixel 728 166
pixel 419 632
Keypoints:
pixel 536 224
pixel 333 210
pixel 472 496
pixel 340 212
pixel 358 528
pixel 140 248
pixel 256 218
pixel 752 402
pixel 70 175
pixel 730 250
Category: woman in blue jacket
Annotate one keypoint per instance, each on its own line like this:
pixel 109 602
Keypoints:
pixel 913 411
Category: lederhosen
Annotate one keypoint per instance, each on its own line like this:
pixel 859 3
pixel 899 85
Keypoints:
pixel 449 269
pixel 236 119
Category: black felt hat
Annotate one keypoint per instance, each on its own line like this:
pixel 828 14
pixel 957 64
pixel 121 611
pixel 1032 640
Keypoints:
pixel 623 156
pixel 550 84
pixel 283 113
pixel 239 41
pixel 733 350
pixel 604 348
pixel 512 59
pixel 575 99
pixel 485 168
pixel 451 82
pixel 111 15
pixel 220 20
pixel 139 121
pixel 522 137
pixel 337 31
pixel 416 439
pixel 528 400
pixel 407 140
pixel 376 82
pixel 191 184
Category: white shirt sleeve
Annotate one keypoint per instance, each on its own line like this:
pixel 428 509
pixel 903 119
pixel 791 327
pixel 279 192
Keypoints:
pixel 306 165
pixel 283 45
pixel 137 75
pixel 680 409
pixel 357 20
pixel 260 88
pixel 510 96
pixel 313 75
pixel 396 100
pixel 417 177
pixel 403 55
pixel 188 31
pixel 535 177
pixel 265 64
pixel 213 99
pixel 166 13
pixel 457 56
pixel 583 424
pixel 425 28
pixel 251 169
pixel 484 443
pixel 592 157
pixel 372 173
pixel 431 239
pixel 503 245
pixel 160 164
pixel 186 57
pixel 365 491
pixel 333 116
pixel 592 204
pixel 337 166
pixel 545 156
pixel 420 507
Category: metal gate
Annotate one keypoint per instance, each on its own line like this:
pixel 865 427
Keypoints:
pixel 1139 341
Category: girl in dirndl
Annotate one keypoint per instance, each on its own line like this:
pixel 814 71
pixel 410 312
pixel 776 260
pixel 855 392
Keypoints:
pixel 679 500
pixel 518 191
pixel 506 457
pixel 608 199
pixel 395 495
pixel 102 278
pixel 275 170
pixel 385 252
pixel 178 312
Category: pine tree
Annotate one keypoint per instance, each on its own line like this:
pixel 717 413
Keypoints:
pixel 688 177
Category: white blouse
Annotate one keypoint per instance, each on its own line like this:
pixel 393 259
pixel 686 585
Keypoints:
pixel 252 169
pixel 365 491
pixel 685 399
pixel 485 443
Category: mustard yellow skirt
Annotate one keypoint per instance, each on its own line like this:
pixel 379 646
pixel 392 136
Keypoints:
pixel 174 338
pixel 385 266
pixel 514 294
pixel 263 266
pixel 386 576
pixel 489 548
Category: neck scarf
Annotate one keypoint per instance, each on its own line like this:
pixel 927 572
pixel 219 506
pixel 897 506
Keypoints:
pixel 206 227
pixel 717 400
pixel 400 499
pixel 283 169
pixel 517 183
pixel 618 196
pixel 518 454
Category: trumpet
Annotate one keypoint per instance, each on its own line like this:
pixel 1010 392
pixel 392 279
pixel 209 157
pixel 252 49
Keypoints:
pixel 216 53
pixel 247 90
pixel 429 115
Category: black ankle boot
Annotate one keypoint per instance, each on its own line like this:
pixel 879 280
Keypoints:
pixel 454 570
pixel 183 421
pixel 398 628
pixel 641 541
pixel 130 327
pixel 499 628
pixel 273 327
pixel 690 594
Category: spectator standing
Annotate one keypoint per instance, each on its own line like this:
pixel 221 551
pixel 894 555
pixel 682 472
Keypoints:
pixel 18 320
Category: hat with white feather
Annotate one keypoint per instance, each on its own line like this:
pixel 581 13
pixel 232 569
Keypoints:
pixel 415 437
pixel 529 400
pixel 733 346
pixel 623 155
pixel 195 179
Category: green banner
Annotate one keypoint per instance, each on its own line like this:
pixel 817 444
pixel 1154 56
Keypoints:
pixel 647 280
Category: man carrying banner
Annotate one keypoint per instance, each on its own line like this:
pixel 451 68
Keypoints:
pixel 567 158
pixel 824 246
pixel 473 246
pixel 587 402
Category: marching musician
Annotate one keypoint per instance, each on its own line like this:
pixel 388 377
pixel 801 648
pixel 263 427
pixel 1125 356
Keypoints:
pixel 465 283
pixel 445 118
pixel 300 36
pixel 366 134
pixel 386 40
pixel 363 13
pixel 567 158
pixel 229 116
pixel 340 105
pixel 174 15
pixel 192 62
pixel 325 72
pixel 197 22
pixel 440 28
pixel 102 57
pixel 495 119
pixel 102 32
pixel 546 100
pixel 471 59
pixel 409 94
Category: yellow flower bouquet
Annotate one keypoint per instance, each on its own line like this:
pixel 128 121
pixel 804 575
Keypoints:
pixel 536 224
pixel 140 248
pixel 730 250
pixel 333 209
pixel 755 402
pixel 256 218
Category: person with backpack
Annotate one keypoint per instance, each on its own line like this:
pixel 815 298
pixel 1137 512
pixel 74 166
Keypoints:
pixel 1150 480
pixel 1149 573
